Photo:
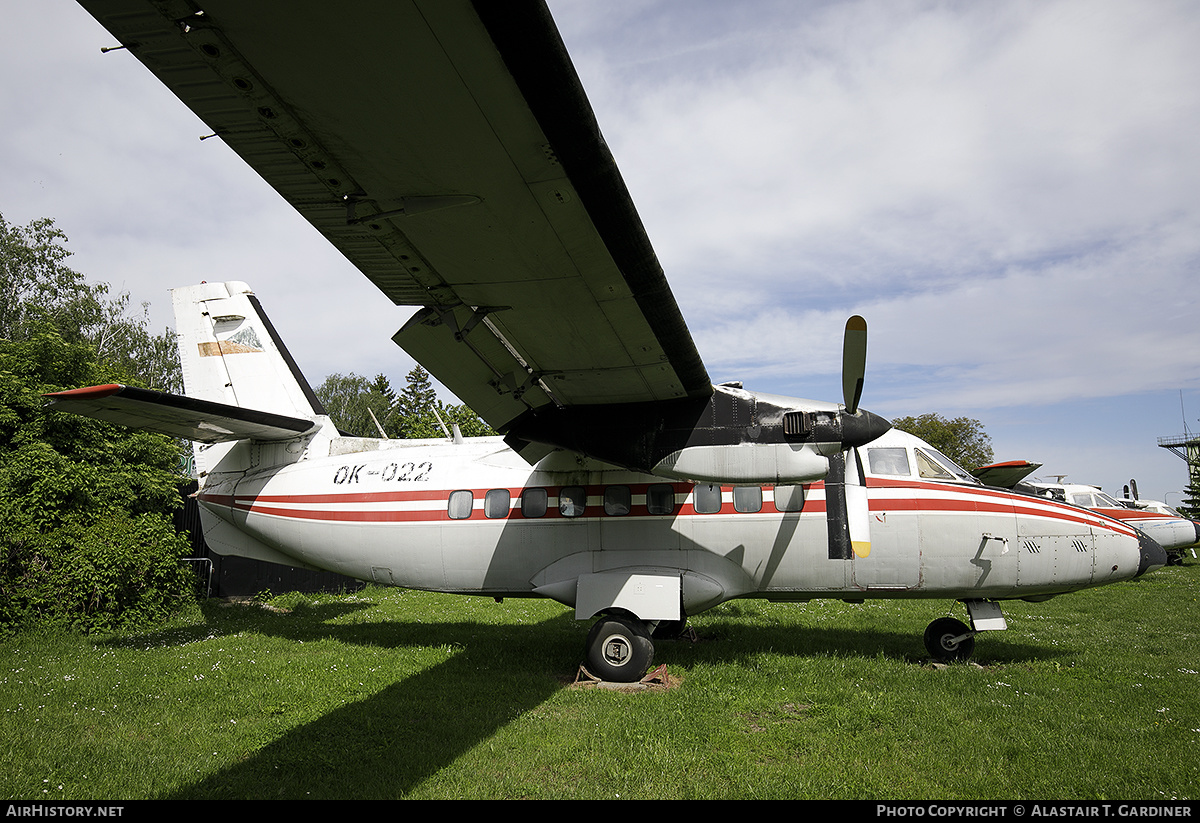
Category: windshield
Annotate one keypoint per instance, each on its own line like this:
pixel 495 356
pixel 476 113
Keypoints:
pixel 951 470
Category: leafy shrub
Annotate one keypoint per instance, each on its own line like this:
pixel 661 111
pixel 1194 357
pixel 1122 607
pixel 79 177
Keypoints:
pixel 117 572
pixel 86 539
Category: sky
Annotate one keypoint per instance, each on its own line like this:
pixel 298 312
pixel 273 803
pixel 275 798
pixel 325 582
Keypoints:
pixel 1008 192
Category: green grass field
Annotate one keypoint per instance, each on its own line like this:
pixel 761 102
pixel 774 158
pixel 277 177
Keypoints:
pixel 397 694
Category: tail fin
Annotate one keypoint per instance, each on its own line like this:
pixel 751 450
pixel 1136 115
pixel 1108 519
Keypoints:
pixel 231 353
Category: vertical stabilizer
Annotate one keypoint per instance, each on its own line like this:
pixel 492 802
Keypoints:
pixel 230 353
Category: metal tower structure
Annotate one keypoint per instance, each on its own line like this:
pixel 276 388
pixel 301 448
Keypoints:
pixel 1186 446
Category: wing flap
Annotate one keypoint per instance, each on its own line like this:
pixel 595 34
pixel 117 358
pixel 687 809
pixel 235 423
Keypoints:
pixel 178 416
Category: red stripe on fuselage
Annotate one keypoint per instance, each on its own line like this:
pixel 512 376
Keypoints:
pixel 937 498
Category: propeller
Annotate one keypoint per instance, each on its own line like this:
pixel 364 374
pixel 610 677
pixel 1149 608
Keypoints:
pixel 846 502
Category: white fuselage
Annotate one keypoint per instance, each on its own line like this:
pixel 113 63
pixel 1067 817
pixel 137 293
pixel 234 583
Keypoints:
pixel 474 518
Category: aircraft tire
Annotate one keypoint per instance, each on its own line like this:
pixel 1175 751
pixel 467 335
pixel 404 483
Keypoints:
pixel 619 650
pixel 939 636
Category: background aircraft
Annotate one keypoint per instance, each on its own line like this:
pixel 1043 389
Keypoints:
pixel 1167 527
pixel 448 150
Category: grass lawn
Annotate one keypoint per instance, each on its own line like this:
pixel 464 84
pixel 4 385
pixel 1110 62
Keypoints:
pixel 397 694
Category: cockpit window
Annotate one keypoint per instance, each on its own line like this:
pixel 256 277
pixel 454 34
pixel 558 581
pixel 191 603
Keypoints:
pixel 1082 499
pixel 949 470
pixel 888 461
pixel 1106 502
pixel 928 467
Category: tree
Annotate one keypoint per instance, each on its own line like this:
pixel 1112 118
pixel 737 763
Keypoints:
pixel 962 439
pixel 414 412
pixel 39 291
pixel 1190 506
pixel 350 400
pixel 86 538
pixel 415 417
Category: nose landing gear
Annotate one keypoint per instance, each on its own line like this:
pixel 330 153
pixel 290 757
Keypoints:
pixel 948 640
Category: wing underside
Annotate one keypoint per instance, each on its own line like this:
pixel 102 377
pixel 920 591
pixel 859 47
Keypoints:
pixel 178 416
pixel 448 150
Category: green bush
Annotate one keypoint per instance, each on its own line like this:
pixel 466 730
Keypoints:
pixel 86 539
pixel 117 572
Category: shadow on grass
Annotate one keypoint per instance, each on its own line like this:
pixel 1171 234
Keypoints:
pixel 389 743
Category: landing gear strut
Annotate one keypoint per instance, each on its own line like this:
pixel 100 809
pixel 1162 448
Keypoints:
pixel 619 649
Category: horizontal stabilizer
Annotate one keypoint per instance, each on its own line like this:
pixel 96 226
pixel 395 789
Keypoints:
pixel 178 416
pixel 1005 475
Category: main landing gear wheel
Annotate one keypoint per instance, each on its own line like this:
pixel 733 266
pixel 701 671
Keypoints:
pixel 619 649
pixel 949 640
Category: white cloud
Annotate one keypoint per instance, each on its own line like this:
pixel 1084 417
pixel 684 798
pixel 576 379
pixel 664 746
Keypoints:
pixel 990 184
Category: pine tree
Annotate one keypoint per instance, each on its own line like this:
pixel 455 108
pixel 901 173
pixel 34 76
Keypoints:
pixel 1190 507
pixel 415 407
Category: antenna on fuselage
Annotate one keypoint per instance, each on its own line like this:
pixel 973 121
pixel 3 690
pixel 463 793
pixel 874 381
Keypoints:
pixel 382 433
pixel 456 436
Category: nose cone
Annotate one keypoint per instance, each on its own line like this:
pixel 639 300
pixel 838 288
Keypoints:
pixel 862 427
pixel 1153 556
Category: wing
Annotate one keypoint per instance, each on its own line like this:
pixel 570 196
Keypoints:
pixel 447 148
pixel 178 416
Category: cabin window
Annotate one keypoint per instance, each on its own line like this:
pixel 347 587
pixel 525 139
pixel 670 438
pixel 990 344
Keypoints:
pixel 707 498
pixel 461 503
pixel 534 502
pixel 888 461
pixel 660 499
pixel 572 501
pixel 496 503
pixel 747 499
pixel 789 498
pixel 617 501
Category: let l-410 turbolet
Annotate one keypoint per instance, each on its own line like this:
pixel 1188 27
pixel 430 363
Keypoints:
pixel 626 485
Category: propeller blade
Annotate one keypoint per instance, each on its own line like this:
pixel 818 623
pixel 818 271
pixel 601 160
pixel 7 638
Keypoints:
pixel 858 515
pixel 847 515
pixel 854 362
pixel 837 520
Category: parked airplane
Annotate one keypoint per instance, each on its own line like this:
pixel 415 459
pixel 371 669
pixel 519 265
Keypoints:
pixel 1158 507
pixel 1169 529
pixel 447 148
pixel 1175 557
